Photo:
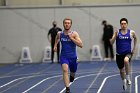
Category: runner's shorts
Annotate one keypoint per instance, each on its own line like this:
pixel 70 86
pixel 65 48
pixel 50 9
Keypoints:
pixel 72 63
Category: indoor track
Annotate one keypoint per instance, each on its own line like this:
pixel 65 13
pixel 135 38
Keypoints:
pixel 91 77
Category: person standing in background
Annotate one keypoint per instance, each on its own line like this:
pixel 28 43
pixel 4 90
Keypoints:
pixel 51 37
pixel 107 35
pixel 124 50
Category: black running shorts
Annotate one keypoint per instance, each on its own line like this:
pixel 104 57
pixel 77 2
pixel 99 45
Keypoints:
pixel 120 60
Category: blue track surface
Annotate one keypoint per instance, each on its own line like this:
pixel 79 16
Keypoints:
pixel 91 77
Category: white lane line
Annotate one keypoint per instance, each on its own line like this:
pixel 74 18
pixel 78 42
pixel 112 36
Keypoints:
pixel 27 77
pixel 136 84
pixel 70 83
pixel 98 74
pixel 51 78
pixel 40 83
pixel 14 71
pixel 131 68
pixel 46 90
pixel 55 77
pixel 99 90
pixel 20 79
pixel 102 84
pixel 33 75
pixel 21 75
pixel 79 78
pixel 65 88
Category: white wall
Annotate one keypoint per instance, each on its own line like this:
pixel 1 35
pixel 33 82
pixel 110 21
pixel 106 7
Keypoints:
pixel 92 2
pixel 29 26
pixel 66 2
pixel 32 2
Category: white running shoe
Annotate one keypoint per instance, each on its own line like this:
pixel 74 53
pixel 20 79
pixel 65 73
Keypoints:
pixel 129 82
pixel 124 84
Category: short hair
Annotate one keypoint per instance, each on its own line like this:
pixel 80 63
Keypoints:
pixel 104 22
pixel 54 22
pixel 123 19
pixel 67 19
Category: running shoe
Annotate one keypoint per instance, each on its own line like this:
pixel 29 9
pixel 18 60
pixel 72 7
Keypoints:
pixel 125 85
pixel 129 82
pixel 67 91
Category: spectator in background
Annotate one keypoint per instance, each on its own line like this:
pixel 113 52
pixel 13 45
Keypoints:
pixel 51 37
pixel 107 35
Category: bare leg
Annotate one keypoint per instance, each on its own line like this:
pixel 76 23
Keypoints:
pixel 122 73
pixel 127 69
pixel 123 77
pixel 65 75
pixel 127 66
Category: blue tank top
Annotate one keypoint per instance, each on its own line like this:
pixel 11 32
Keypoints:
pixel 123 43
pixel 68 47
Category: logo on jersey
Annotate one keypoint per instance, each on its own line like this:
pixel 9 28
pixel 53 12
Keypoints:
pixel 123 37
pixel 65 39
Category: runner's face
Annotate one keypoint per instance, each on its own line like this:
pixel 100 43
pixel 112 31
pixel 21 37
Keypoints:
pixel 67 24
pixel 123 25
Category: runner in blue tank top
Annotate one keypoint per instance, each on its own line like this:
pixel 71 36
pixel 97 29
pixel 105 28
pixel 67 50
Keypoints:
pixel 124 51
pixel 68 58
